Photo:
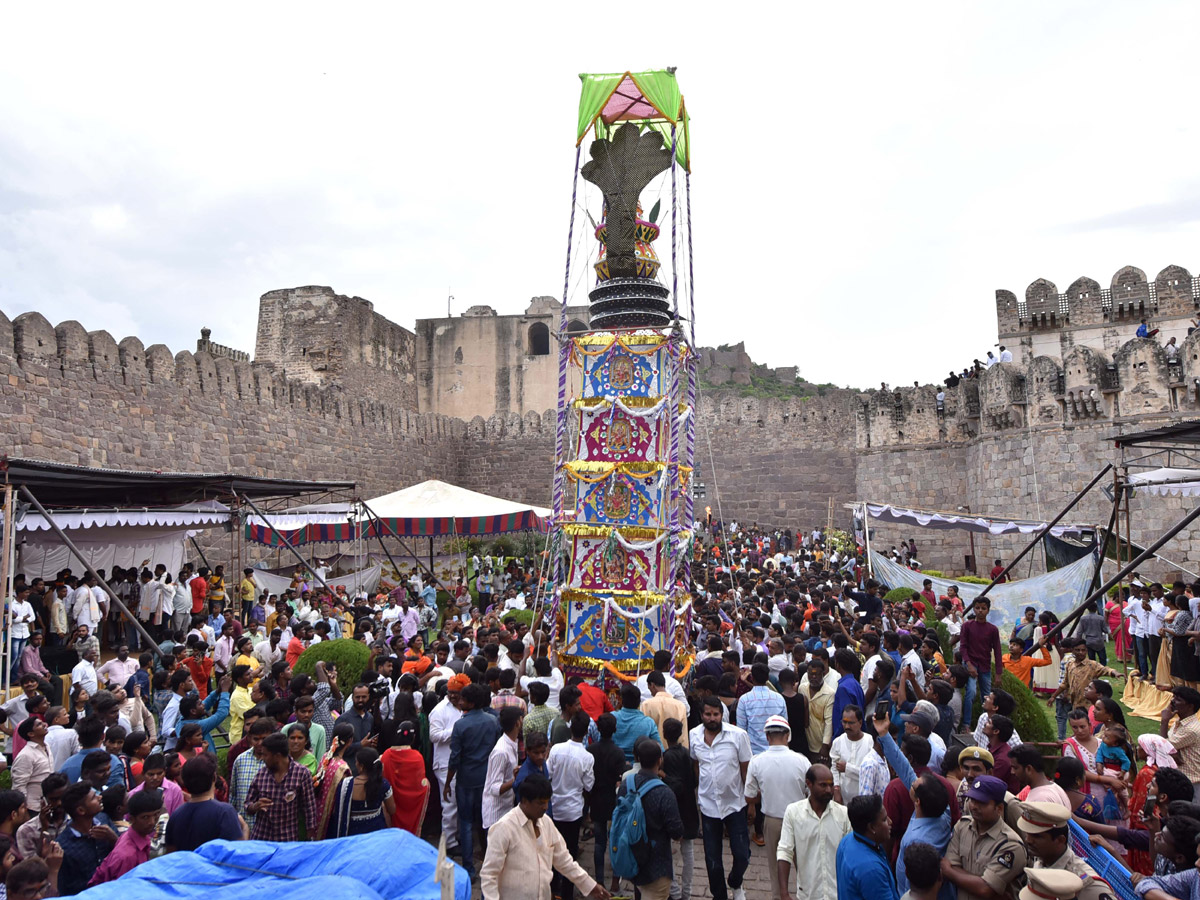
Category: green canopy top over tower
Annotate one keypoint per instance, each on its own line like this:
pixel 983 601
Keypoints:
pixel 648 99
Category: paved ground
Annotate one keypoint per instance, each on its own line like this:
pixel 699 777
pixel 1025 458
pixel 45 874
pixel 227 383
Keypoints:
pixel 757 882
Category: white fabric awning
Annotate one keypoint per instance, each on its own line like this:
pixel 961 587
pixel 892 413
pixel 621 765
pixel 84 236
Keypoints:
pixel 966 521
pixel 437 499
pixel 1168 482
pixel 189 515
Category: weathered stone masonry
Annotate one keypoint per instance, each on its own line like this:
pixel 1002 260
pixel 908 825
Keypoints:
pixel 333 393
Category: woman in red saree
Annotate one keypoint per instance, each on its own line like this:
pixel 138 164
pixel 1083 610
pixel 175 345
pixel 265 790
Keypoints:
pixel 1118 626
pixel 404 769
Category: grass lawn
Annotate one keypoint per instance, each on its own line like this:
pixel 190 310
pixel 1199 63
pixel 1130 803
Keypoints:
pixel 1136 724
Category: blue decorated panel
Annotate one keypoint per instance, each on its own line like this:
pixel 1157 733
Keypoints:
pixel 622 499
pixel 622 372
pixel 618 638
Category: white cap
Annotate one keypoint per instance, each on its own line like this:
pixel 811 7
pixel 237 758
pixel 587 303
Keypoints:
pixel 777 722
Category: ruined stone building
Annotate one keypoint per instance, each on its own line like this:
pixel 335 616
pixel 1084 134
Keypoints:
pixel 335 390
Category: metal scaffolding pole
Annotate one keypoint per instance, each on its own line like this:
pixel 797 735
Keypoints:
pixel 379 523
pixel 1127 569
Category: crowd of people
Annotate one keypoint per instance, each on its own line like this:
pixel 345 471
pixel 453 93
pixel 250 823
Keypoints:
pixel 811 717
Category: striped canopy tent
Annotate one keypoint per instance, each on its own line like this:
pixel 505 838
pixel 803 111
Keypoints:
pixel 435 508
pixel 429 509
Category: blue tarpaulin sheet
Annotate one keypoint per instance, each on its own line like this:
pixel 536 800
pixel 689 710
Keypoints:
pixel 386 865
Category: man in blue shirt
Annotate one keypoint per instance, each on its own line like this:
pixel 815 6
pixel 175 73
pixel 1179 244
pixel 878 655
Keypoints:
pixel 863 872
pixel 755 707
pixel 429 595
pixel 849 691
pixel 90 731
pixel 471 743
pixel 632 723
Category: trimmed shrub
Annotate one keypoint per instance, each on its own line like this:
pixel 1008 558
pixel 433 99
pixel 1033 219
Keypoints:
pixel 524 616
pixel 348 655
pixel 933 573
pixel 973 579
pixel 1029 716
pixel 899 595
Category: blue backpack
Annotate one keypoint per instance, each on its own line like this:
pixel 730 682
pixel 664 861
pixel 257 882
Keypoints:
pixel 629 844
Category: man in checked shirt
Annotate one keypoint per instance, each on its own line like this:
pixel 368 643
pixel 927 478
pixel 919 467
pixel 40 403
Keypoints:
pixel 280 794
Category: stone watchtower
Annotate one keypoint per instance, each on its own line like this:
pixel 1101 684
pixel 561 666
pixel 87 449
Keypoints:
pixel 314 335
pixel 1047 322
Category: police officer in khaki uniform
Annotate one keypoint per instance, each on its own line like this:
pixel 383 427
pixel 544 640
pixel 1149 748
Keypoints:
pixel 973 762
pixel 1051 884
pixel 1046 827
pixel 985 856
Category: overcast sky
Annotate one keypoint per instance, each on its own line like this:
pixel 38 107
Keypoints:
pixel 865 176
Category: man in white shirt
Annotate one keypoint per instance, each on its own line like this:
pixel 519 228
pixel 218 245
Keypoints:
pixel 441 727
pixel 1139 618
pixel 502 768
pixel 1157 620
pixel 22 618
pixel 775 778
pixel 571 773
pixel 812 830
pixel 62 741
pixel 270 651
pixel 547 675
pixel 85 672
pixel 83 607
pixel 1005 354
pixel 524 849
pixel 722 755
pixel 912 659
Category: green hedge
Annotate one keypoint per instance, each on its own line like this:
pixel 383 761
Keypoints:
pixel 899 595
pixel 524 616
pixel 973 579
pixel 348 655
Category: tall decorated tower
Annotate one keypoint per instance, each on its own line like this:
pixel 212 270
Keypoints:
pixel 622 493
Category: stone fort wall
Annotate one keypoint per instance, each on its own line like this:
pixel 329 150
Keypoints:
pixel 1020 440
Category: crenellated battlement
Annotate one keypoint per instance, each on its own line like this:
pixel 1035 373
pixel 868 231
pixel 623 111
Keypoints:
pixel 68 352
pixel 1048 322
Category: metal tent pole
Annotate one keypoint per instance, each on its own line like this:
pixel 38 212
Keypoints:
pixel 1046 529
pixel 383 546
pixel 203 558
pixel 112 595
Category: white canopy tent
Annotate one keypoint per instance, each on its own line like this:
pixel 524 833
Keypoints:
pixel 113 537
pixel 432 500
